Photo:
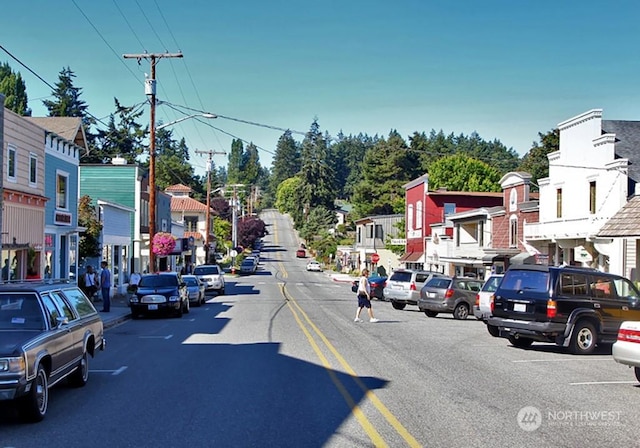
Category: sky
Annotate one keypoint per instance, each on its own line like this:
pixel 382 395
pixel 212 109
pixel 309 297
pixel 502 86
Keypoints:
pixel 505 69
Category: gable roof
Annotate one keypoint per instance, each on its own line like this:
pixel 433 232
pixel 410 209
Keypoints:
pixel 178 188
pixel 627 144
pixel 69 128
pixel 186 204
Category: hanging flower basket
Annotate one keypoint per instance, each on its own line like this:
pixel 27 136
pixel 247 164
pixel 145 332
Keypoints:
pixel 163 243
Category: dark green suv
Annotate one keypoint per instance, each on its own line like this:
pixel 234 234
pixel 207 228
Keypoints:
pixel 570 306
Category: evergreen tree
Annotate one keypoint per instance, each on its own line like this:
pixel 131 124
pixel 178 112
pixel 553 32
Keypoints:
pixel 250 167
pixel 172 158
pixel 346 156
pixel 535 162
pixel 317 187
pixel 386 168
pixel 67 102
pixel 235 162
pixel 13 88
pixel 286 161
pixel 124 139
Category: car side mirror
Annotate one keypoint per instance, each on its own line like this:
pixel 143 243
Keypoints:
pixel 62 320
pixel 633 302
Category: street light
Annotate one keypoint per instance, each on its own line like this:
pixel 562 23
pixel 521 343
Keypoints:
pixel 152 176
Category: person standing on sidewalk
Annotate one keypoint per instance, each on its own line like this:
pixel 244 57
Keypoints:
pixel 364 297
pixel 105 284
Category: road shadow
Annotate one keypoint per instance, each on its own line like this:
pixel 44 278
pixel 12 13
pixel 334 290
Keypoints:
pixel 238 395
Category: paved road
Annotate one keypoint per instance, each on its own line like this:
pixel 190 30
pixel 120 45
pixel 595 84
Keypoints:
pixel 279 362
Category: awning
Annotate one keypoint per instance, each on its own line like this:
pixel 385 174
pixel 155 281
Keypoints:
pixel 490 258
pixel 411 256
pixel 523 258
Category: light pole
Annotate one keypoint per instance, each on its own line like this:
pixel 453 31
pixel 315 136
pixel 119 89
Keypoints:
pixel 152 178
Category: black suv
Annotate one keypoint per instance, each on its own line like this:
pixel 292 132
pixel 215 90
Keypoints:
pixel 160 292
pixel 570 306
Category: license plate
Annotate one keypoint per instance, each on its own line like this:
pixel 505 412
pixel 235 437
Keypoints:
pixel 520 307
pixel 153 307
pixel 432 295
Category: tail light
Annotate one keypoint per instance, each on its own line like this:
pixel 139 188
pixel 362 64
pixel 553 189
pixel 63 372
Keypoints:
pixel 629 335
pixel 477 300
pixel 412 287
pixel 551 309
pixel 448 294
pixel 492 303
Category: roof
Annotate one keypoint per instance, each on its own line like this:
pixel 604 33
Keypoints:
pixel 69 128
pixel 626 222
pixel 627 144
pixel 181 188
pixel 411 256
pixel 185 203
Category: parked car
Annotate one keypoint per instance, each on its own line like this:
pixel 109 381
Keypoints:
pixel 570 306
pixel 482 305
pixel 376 282
pixel 195 289
pixel 211 276
pixel 218 257
pixel 301 253
pixel 314 265
pixel 626 349
pixel 248 266
pixel 455 295
pixel 403 286
pixel 47 333
pixel 162 292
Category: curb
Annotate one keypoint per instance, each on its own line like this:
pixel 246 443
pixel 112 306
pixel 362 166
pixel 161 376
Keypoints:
pixel 115 321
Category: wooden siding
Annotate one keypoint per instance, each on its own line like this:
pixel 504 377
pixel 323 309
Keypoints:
pixel 27 138
pixel 53 164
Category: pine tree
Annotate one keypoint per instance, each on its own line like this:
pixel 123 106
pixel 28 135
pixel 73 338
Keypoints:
pixel 67 101
pixel 13 88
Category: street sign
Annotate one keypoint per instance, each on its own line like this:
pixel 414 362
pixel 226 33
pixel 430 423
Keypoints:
pixel 375 258
pixel 233 253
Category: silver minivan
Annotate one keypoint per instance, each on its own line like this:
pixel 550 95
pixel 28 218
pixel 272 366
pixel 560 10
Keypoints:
pixel 404 285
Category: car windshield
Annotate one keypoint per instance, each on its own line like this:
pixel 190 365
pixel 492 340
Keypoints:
pixel 247 263
pixel 206 270
pixel 158 280
pixel 519 280
pixel 20 312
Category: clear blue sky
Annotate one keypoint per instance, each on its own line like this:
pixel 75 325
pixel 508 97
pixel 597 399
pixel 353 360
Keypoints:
pixel 505 69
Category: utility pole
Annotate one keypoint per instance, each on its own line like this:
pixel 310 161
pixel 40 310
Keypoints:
pixel 150 91
pixel 207 241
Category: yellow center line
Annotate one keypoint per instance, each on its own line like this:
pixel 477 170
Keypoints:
pixel 364 422
pixel 375 437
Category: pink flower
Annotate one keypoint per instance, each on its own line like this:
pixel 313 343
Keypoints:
pixel 163 243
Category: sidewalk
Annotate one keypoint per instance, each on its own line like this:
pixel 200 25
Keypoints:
pixel 119 311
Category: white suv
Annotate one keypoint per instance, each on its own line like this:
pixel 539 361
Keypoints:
pixel 211 276
pixel 404 285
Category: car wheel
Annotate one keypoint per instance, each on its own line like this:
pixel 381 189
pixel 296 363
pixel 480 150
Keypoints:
pixel 493 330
pixel 583 338
pixel 461 311
pixel 80 376
pixel 430 313
pixel 36 402
pixel 520 342
pixel 637 372
pixel 398 306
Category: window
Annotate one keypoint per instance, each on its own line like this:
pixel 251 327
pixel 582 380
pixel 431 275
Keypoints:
pixel 80 302
pixel 190 223
pixel 513 200
pixel 513 231
pixel 410 217
pixel 379 233
pixel 62 305
pixel 559 203
pixel 592 197
pixel 370 231
pixel 62 190
pixel 33 169
pixel 11 163
pixel 573 284
pixel 449 209
pixel 419 215
pixel 457 235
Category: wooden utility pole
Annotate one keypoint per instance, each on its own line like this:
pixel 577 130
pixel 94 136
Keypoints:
pixel 150 91
pixel 207 241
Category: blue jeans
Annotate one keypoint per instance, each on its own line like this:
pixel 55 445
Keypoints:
pixel 106 300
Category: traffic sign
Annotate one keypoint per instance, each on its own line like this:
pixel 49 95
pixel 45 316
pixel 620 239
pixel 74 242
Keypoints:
pixel 375 258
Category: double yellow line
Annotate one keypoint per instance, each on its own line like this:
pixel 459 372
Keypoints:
pixel 304 321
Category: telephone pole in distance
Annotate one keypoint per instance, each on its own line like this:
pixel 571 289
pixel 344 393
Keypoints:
pixel 150 91
pixel 207 241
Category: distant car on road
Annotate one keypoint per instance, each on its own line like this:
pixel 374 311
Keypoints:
pixel 248 266
pixel 195 289
pixel 314 265
pixel 47 333
pixel 211 276
pixel 301 253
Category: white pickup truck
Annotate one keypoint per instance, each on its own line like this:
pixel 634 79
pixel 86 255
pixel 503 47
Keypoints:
pixel 626 350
